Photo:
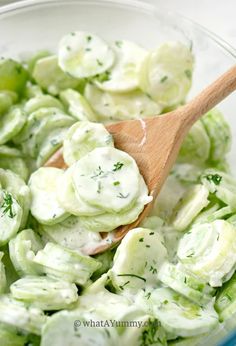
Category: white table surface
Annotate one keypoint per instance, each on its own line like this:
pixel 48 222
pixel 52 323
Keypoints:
pixel 216 15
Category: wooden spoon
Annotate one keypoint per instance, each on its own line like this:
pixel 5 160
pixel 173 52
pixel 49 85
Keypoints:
pixel 155 142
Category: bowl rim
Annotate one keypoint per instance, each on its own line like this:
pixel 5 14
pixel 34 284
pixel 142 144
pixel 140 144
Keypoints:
pixel 138 4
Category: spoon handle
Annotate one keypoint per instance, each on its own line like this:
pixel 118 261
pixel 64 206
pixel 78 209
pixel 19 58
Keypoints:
pixel 209 97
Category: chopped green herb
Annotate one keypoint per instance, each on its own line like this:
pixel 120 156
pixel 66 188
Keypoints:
pixel 215 178
pixel 103 77
pixel 7 205
pixel 122 286
pixel 99 187
pixel 148 295
pixel 98 172
pixel 188 74
pixel 117 166
pixel 165 301
pixel 88 49
pixel 120 195
pixel 68 48
pixel 89 38
pixel 185 280
pixel 118 44
pixel 153 270
pixel 72 33
pixel 151 233
pixel 148 245
pixel 116 183
pixel 134 276
pixel 141 240
pixel 228 296
pixel 150 336
pixel 163 79
pixel 99 62
pixel 54 142
pixel 190 255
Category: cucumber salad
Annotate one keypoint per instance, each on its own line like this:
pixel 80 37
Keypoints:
pixel 172 280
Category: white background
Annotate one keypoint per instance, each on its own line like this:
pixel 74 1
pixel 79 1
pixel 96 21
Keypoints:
pixel 217 15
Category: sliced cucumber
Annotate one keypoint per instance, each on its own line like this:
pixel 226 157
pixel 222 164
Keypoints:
pixel 209 251
pixel 190 205
pixel 219 133
pixel 11 158
pixel 10 216
pixel 77 106
pixel 180 316
pixel 45 293
pixel 175 277
pixel 68 199
pixel 138 259
pixel 13 76
pixel 225 303
pixel 16 186
pixel 42 101
pixel 10 336
pixel 43 186
pixel 212 214
pixel 109 221
pixel 3 280
pixel 50 77
pixel 82 54
pixel 114 106
pixel 51 143
pixel 69 328
pixel 69 233
pixel 5 102
pixel 60 262
pixel 166 74
pixel 124 75
pixel 196 146
pixel 11 124
pixel 22 250
pixel 100 179
pixel 83 137
pixel 223 185
pixel 21 315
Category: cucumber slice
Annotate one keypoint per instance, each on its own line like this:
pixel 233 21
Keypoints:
pixel 219 133
pixel 50 144
pixel 5 102
pixel 10 158
pixel 175 277
pixel 190 205
pixel 32 91
pixel 109 221
pixel 42 101
pixel 22 250
pixel 225 303
pixel 124 75
pixel 32 60
pixel 213 214
pixel 166 74
pixel 223 185
pixel 82 54
pixel 208 251
pixel 83 137
pixel 21 315
pixel 180 316
pixel 16 186
pixel 11 124
pixel 43 186
pixel 100 179
pixel 137 260
pixel 10 216
pixel 77 106
pixel 60 262
pixel 44 129
pixel 114 106
pixel 33 121
pixel 149 332
pixel 196 146
pixel 69 328
pixel 70 234
pixel 10 336
pixel 50 77
pixel 13 76
pixel 3 280
pixel 68 199
pixel 45 293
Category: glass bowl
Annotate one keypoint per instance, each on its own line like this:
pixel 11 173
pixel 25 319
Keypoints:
pixel 28 26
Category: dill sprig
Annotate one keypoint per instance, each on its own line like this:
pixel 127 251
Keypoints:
pixel 7 205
